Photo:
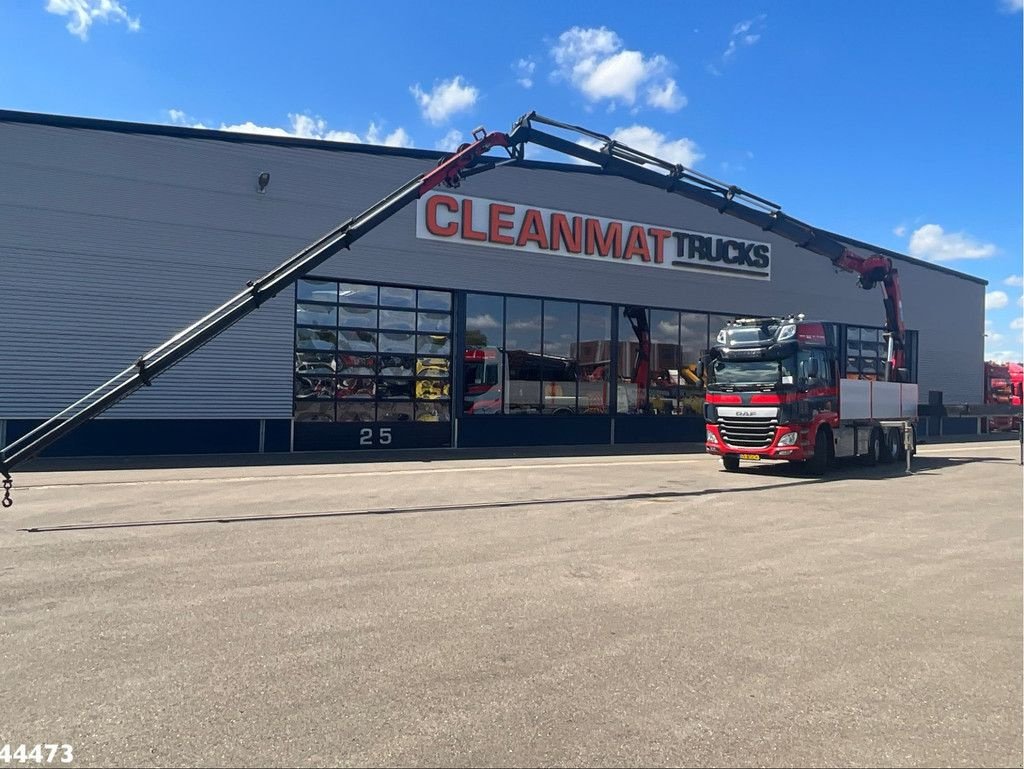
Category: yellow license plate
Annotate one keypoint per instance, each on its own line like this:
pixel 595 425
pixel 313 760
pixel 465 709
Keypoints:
pixel 755 457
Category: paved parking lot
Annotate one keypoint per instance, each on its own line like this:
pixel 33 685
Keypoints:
pixel 631 610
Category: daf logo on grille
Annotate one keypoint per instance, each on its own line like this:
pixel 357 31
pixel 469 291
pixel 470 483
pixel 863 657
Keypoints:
pixel 745 413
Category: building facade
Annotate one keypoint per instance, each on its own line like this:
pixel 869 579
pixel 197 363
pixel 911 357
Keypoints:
pixel 509 312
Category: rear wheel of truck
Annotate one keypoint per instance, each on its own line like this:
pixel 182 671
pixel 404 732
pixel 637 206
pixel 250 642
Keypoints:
pixel 874 452
pixel 818 464
pixel 892 443
pixel 731 463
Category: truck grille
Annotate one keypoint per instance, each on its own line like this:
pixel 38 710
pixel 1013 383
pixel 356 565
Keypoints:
pixel 748 432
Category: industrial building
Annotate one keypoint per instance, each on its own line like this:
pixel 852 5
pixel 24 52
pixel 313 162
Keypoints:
pixel 501 314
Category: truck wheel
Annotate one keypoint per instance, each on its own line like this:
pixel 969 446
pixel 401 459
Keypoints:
pixel 891 444
pixel 874 449
pixel 731 463
pixel 818 464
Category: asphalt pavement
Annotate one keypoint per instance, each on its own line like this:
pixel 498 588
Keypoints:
pixel 629 610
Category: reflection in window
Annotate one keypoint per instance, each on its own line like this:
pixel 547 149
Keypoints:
pixel 523 327
pixel 394 411
pixel 317 291
pixel 311 387
pixel 314 363
pixel 396 319
pixel 392 296
pixel 357 293
pixel 395 388
pixel 316 315
pixel 357 364
pixel 432 367
pixel 693 341
pixel 316 339
pixel 634 359
pixel 433 412
pixel 357 317
pixel 435 321
pixel 357 341
pixel 354 411
pixel 397 342
pixel 593 357
pixel 559 371
pixel 396 365
pixel 434 344
pixel 314 411
pixel 483 357
pixel 435 300
pixel 355 387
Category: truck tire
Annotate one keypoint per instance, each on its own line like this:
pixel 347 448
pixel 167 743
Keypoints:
pixel 730 462
pixel 818 464
pixel 874 453
pixel 892 442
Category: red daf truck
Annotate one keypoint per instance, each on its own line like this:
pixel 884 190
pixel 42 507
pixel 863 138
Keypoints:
pixel 805 391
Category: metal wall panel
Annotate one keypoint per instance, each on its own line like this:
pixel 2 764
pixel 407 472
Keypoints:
pixel 111 241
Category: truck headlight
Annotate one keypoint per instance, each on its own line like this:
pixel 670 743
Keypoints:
pixel 711 437
pixel 789 439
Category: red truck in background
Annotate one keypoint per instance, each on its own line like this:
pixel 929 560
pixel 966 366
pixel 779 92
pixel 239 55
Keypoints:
pixel 806 391
pixel 1003 384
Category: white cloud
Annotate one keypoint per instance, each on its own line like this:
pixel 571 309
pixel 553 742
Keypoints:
pixel 996 300
pixel 666 96
pixel 1002 356
pixel 446 99
pixel 933 243
pixel 900 230
pixel 681 151
pixel 744 34
pixel 1011 6
pixel 304 126
pixel 524 69
pixel 1014 280
pixel 83 13
pixel 595 62
pixel 991 336
pixel 450 141
pixel 1017 324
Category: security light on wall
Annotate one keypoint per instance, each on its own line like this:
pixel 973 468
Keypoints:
pixel 262 181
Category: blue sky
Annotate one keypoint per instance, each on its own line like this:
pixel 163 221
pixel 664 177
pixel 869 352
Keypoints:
pixel 898 123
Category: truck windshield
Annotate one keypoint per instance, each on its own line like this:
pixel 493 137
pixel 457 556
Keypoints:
pixel 758 373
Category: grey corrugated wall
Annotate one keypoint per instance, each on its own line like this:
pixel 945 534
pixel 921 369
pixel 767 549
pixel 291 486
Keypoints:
pixel 110 241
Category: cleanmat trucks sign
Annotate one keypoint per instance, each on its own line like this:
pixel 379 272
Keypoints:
pixel 519 227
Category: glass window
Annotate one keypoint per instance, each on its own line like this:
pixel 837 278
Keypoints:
pixel 434 321
pixel 522 324
pixel 634 359
pixel 435 300
pixel 396 319
pixel 317 291
pixel 357 317
pixel 483 358
pixel 717 323
pixel 316 339
pixel 392 296
pixel 593 357
pixel 365 365
pixel 357 293
pixel 664 386
pixel 357 341
pixel 434 344
pixel 559 370
pixel 396 341
pixel 523 327
pixel 314 363
pixel 354 411
pixel 314 387
pixel 314 411
pixel 378 375
pixel 316 315
pixel 396 365
pixel 693 341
